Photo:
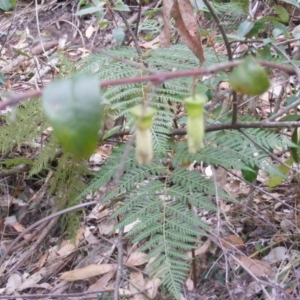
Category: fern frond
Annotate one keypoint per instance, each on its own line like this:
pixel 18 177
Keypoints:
pixel 25 127
pixel 45 156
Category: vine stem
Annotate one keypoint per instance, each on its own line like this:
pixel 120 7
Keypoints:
pixel 156 79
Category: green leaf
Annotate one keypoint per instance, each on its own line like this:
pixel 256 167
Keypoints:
pixel 275 180
pixel 290 100
pixel 290 118
pixel 72 107
pixel 19 52
pixel 293 2
pixel 279 29
pixel 259 26
pixel 119 35
pixel 120 6
pixel 282 13
pixel 111 132
pixel 2 79
pixel 198 4
pixel 250 174
pixel 104 24
pixel 89 10
pixel 6 5
pixel 244 28
pixel 294 150
pixel 249 78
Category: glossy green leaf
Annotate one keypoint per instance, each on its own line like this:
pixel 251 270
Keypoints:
pixel 293 2
pixel 6 5
pixel 111 132
pixel 249 78
pixel 282 13
pixel 244 28
pixel 290 100
pixel 279 29
pixel 2 79
pixel 250 174
pixel 89 10
pixel 275 180
pixel 121 6
pixel 290 118
pixel 198 4
pixel 259 26
pixel 72 107
pixel 119 35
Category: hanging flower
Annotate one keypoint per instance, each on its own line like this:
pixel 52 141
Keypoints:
pixel 195 123
pixel 143 137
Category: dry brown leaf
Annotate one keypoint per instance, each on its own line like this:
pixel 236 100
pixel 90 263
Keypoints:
pixel 186 24
pixel 189 284
pixel 137 285
pixel 67 246
pixel 98 213
pixel 105 150
pixel 233 242
pixel 34 279
pixel 106 227
pixel 12 222
pixel 89 237
pixel 129 227
pixel 89 31
pixel 152 287
pixel 13 283
pixel 102 282
pixel 42 260
pixel 87 272
pixel 151 44
pixel 257 267
pixel 204 248
pixel 164 37
pixel 136 259
pixel 18 227
pixel 124 292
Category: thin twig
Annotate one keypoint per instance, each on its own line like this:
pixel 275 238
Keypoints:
pixel 260 190
pixel 120 264
pixel 33 248
pixel 228 126
pixel 136 31
pixel 34 225
pixel 283 111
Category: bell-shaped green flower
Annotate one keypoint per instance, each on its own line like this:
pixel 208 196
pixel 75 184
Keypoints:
pixel 195 123
pixel 143 137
